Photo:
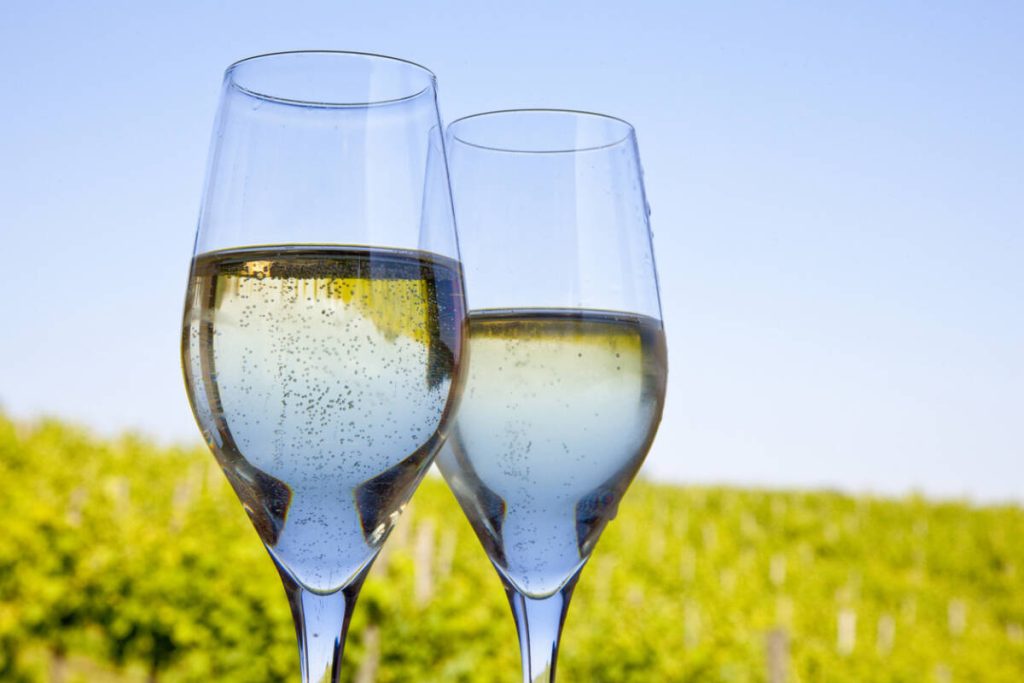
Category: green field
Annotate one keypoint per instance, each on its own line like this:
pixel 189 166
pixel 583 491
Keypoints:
pixel 120 561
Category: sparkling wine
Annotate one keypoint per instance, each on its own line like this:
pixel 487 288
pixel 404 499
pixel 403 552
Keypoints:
pixel 320 377
pixel 560 407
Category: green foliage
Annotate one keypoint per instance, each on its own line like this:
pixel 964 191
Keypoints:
pixel 139 560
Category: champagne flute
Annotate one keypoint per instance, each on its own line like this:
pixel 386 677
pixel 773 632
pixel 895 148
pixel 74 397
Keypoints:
pixel 324 319
pixel 567 360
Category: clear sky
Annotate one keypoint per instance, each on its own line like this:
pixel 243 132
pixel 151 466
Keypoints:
pixel 837 195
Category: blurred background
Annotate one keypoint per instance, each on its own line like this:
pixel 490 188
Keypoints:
pixel 839 228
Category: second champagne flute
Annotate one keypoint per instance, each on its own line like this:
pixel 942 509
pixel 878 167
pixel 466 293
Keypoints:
pixel 567 360
pixel 324 318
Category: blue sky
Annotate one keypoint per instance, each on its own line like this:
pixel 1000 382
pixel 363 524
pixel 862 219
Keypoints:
pixel 837 195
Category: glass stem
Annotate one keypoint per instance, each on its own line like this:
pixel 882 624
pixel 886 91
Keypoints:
pixel 321 624
pixel 539 623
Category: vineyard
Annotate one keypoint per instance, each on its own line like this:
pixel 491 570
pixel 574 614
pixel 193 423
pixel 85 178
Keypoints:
pixel 123 562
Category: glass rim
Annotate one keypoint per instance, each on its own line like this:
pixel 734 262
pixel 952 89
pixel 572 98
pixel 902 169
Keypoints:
pixel 628 133
pixel 231 79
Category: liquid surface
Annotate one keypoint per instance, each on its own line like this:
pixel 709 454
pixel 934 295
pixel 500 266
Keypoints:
pixel 559 410
pixel 322 379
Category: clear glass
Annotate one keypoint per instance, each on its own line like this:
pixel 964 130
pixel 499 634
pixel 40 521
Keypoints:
pixel 324 320
pixel 567 360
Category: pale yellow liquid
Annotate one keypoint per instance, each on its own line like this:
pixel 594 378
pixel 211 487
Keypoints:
pixel 322 379
pixel 559 409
